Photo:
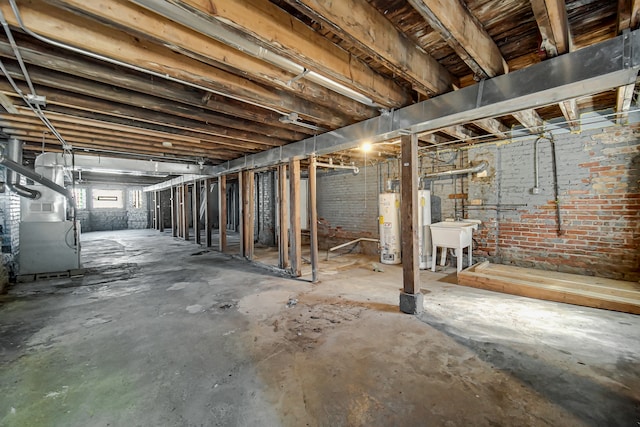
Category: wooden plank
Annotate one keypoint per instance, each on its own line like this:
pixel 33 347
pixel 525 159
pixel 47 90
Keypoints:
pixel 127 16
pixel 361 24
pixel 241 207
pixel 295 232
pixel 283 226
pixel 222 213
pixel 559 277
pixel 89 34
pixel 208 212
pixel 549 293
pixel 459 132
pixel 278 32
pixel 624 95
pixel 464 33
pixel 409 213
pixel 313 219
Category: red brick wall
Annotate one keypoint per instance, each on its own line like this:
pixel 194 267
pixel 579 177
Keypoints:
pixel 599 199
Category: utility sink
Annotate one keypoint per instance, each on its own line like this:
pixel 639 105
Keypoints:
pixel 455 235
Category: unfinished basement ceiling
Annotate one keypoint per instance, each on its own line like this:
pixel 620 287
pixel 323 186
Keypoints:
pixel 213 81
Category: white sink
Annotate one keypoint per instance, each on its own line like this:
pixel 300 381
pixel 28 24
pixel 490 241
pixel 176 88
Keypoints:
pixel 452 234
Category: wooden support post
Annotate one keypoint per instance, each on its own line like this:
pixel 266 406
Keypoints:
pixel 222 212
pixel 208 214
pixel 174 211
pixel 179 207
pixel 283 227
pixel 411 298
pixel 160 213
pixel 294 218
pixel 195 207
pixel 313 219
pixel 241 196
pixel 155 210
pixel 185 211
pixel 249 210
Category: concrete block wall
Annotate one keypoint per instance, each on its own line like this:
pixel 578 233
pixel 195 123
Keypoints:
pixel 599 198
pixel 101 219
pixel 348 205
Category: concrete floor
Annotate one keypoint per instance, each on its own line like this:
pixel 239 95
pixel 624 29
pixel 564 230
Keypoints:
pixel 161 332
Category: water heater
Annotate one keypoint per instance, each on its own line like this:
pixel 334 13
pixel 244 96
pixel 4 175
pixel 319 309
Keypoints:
pixel 390 243
pixel 424 232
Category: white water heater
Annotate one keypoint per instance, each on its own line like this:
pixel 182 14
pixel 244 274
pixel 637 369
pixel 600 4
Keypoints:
pixel 424 232
pixel 390 243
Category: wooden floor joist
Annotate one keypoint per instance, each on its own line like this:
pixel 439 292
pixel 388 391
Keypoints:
pixel 575 289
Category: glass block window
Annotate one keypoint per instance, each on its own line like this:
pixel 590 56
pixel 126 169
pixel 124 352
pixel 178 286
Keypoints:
pixel 136 199
pixel 107 199
pixel 80 195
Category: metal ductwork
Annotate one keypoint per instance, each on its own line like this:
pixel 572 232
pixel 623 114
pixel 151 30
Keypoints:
pixel 14 151
pixel 473 169
pixel 13 162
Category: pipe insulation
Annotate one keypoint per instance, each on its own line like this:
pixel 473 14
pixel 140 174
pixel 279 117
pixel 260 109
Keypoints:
pixel 473 169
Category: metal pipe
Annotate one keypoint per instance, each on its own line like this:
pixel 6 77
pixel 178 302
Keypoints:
pixel 18 168
pixel 473 169
pixel 354 168
pixel 366 239
pixel 14 151
pixel 536 188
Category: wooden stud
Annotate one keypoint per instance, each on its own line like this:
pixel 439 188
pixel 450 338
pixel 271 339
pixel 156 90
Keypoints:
pixel 313 219
pixel 249 209
pixel 409 213
pixel 295 249
pixel 208 212
pixel 174 211
pixel 195 208
pixel 185 211
pixel 222 213
pixel 160 213
pixel 154 200
pixel 283 226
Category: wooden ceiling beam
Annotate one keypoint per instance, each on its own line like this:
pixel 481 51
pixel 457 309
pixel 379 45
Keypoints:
pixel 465 34
pixel 55 85
pixel 551 16
pixel 233 127
pixel 571 113
pixel 531 120
pixel 494 127
pixel 64 120
pixel 459 132
pixel 628 18
pixel 90 35
pixel 67 129
pixel 361 24
pixel 179 127
pixel 273 29
pixel 74 138
pixel 128 17
pixel 96 71
pixel 553 23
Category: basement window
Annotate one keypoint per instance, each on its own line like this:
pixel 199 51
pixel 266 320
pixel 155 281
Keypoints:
pixel 108 199
pixel 136 199
pixel 80 195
